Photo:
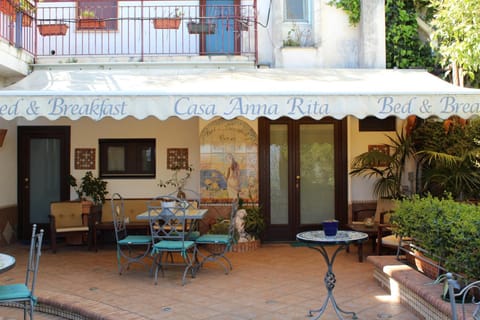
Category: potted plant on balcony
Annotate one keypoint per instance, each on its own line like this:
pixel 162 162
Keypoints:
pixel 172 22
pixel 7 7
pixel 53 29
pixel 88 20
pixel 201 27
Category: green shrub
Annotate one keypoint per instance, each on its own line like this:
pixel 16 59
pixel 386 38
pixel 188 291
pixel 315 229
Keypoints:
pixel 445 228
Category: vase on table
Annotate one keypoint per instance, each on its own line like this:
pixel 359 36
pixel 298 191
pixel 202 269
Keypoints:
pixel 330 227
pixel 181 194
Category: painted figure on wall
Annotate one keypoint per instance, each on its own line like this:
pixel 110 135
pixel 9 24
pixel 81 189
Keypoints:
pixel 228 160
pixel 233 177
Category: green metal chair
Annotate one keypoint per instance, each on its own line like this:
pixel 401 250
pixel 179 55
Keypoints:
pixel 217 245
pixel 23 293
pixel 170 236
pixel 130 248
pixel 461 296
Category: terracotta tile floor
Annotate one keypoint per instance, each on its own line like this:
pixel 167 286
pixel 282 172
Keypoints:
pixel 277 281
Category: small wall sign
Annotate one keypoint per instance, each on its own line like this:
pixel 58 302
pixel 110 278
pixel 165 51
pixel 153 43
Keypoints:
pixel 85 159
pixel 177 158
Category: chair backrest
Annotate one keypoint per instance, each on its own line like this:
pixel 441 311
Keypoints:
pixel 383 205
pixel 167 218
pixel 385 216
pixel 67 214
pixel 192 196
pixel 118 215
pixel 462 297
pixel 34 258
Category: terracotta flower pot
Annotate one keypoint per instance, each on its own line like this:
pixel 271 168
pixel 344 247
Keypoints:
pixel 56 29
pixel 166 23
pixel 91 24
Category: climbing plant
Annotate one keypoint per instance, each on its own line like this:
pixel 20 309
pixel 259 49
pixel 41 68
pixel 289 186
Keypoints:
pixel 351 7
pixel 404 48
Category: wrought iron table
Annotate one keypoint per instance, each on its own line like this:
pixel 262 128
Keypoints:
pixel 7 262
pixel 319 241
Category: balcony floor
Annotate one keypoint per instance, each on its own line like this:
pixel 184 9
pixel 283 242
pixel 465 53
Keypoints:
pixel 276 281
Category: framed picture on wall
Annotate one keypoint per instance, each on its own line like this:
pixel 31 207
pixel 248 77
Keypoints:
pixel 383 148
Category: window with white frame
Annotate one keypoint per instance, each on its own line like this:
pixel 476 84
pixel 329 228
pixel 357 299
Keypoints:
pixel 296 10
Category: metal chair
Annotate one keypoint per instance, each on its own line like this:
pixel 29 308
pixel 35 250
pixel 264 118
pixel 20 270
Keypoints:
pixel 170 236
pixel 132 248
pixel 23 293
pixel 193 199
pixel 217 245
pixel 460 296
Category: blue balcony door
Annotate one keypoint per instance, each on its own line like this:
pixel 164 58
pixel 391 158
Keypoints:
pixel 222 13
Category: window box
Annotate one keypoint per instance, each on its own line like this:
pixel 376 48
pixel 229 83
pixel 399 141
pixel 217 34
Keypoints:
pixel 91 24
pixel 26 20
pixel 201 28
pixel 7 8
pixel 56 29
pixel 166 23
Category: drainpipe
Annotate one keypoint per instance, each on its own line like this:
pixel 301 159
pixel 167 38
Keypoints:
pixel 142 37
pixel 256 30
pixel 18 29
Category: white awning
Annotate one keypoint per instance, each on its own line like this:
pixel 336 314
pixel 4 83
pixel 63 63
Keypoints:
pixel 207 93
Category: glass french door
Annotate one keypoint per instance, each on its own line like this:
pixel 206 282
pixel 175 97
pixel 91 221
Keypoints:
pixel 303 176
pixel 44 154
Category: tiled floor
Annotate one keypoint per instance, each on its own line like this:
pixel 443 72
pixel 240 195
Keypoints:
pixel 277 281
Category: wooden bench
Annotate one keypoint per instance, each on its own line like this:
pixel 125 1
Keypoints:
pixel 133 207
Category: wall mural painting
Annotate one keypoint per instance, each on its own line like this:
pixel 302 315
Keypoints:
pixel 228 160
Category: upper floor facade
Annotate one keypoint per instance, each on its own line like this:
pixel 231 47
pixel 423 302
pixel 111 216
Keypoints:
pixel 187 33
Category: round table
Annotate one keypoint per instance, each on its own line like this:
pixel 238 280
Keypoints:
pixel 7 262
pixel 319 241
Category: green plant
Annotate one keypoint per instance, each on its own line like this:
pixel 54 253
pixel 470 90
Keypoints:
pixel 448 155
pixel 91 187
pixel 404 48
pixel 87 14
pixel 297 37
pixel 445 228
pixel 387 168
pixel 254 220
pixel 221 226
pixel 26 7
pixel 72 181
pixel 178 13
pixel 351 7
pixel 177 180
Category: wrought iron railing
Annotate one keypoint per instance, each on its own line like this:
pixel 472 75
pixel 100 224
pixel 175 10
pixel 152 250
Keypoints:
pixel 134 29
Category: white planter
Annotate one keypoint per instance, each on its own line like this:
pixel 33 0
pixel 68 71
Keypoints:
pixel 297 57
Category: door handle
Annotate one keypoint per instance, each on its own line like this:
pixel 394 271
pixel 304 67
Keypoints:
pixel 297 182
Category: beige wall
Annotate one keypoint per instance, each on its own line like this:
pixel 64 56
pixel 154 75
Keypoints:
pixel 174 133
pixel 8 167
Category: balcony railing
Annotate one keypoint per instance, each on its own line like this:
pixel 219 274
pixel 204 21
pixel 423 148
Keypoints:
pixel 133 29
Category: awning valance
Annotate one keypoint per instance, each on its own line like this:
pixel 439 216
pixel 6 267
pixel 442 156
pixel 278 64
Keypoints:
pixel 207 93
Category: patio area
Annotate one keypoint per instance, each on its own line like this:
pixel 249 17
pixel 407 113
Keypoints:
pixel 276 281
